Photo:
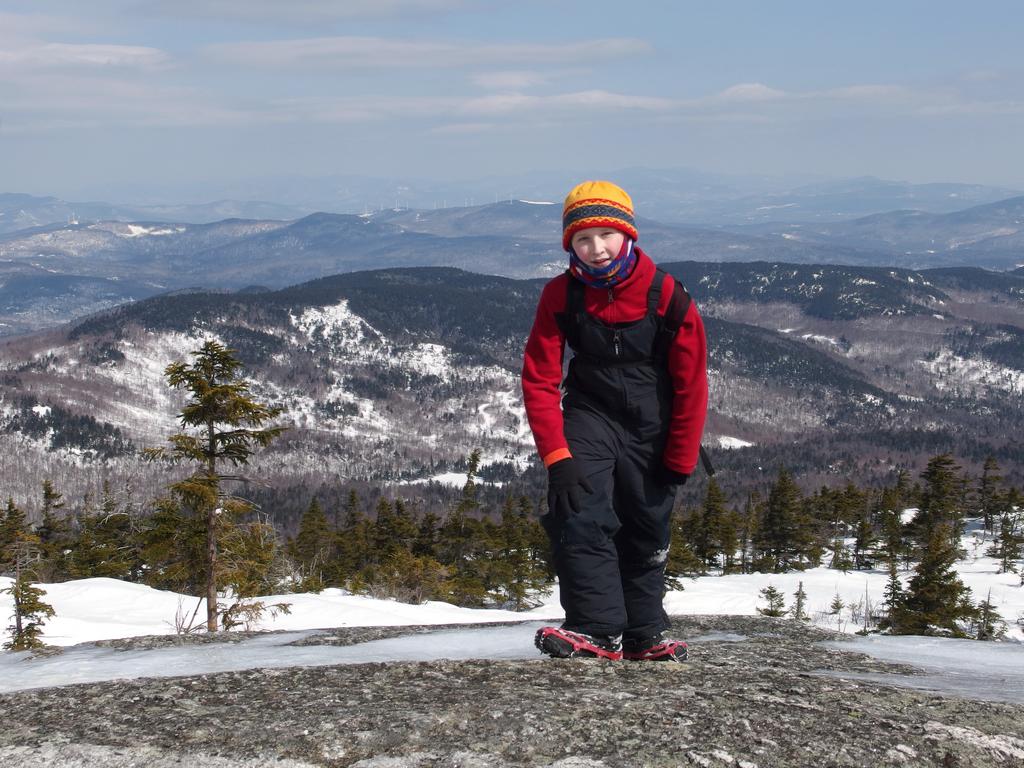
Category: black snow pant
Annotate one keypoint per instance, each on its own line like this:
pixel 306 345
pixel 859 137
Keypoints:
pixel 610 557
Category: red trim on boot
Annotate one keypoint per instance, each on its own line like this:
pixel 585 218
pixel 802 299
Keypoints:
pixel 664 650
pixel 566 644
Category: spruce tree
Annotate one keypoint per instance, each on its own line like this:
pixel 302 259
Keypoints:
pixel 863 542
pixel 780 540
pixel 54 536
pixel 107 545
pixel 20 555
pixel 1009 542
pixel 13 523
pixel 459 541
pixel 841 559
pixel 220 423
pixel 312 547
pixel 776 602
pixel 893 596
pixel 936 600
pixel 729 540
pixel 799 611
pixel 942 500
pixel 173 542
pixel 748 530
pixel 989 494
pixel 990 625
pixel 682 561
pixel 713 512
pixel 426 536
pixel 353 546
pixel 836 605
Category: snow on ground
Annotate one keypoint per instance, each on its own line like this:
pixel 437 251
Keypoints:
pixel 134 230
pixel 725 442
pixel 819 339
pixel 950 371
pixel 105 609
pixel 99 609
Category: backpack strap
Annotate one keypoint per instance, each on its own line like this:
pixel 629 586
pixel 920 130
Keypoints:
pixel 571 319
pixel 675 313
pixel 672 321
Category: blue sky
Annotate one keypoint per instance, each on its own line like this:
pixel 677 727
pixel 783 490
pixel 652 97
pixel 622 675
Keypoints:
pixel 113 95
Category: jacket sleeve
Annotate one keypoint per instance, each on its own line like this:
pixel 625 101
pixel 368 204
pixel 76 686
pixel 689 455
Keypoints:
pixel 542 375
pixel 687 365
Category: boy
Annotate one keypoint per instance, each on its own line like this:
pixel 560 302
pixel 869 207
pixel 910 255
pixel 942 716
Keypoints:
pixel 625 435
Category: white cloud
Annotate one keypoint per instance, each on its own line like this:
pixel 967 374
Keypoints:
pixel 464 128
pixel 509 80
pixel 65 55
pixel 298 10
pixel 869 92
pixel 744 92
pixel 383 53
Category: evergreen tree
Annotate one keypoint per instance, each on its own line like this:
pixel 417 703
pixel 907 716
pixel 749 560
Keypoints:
pixel 13 523
pixel 353 548
pixel 942 500
pixel 220 423
pixel 107 544
pixel 250 563
pixel 426 536
pixel 1009 542
pixel 682 561
pixel 54 536
pixel 521 575
pixel 799 611
pixel 989 495
pixel 990 625
pixel 748 530
pixel 780 541
pixel 729 540
pixel 708 545
pixel 894 596
pixel 836 605
pixel 864 542
pixel 776 602
pixel 460 540
pixel 841 559
pixel 173 544
pixel 936 600
pixel 312 547
pixel 30 612
pixel 893 544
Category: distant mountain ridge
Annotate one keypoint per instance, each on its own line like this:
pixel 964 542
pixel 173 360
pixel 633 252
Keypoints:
pixel 393 375
pixel 673 195
pixel 53 264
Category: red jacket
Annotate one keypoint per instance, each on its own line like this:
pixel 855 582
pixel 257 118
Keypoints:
pixel 626 302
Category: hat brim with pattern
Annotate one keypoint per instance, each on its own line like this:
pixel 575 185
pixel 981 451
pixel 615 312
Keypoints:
pixel 597 204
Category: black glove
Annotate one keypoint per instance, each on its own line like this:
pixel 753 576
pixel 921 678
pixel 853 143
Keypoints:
pixel 668 476
pixel 564 483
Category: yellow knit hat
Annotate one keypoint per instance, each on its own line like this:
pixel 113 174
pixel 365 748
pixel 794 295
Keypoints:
pixel 597 204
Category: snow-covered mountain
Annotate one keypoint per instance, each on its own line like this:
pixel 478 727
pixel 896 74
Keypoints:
pixel 49 274
pixel 396 375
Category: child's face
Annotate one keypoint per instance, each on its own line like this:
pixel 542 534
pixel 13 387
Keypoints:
pixel 597 246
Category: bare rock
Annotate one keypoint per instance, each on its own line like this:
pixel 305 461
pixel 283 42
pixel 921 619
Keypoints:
pixel 759 702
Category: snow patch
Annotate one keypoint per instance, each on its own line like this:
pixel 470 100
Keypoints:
pixel 729 443
pixel 951 371
pixel 135 230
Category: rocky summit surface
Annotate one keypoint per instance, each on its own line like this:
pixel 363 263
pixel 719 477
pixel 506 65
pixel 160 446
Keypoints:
pixel 753 694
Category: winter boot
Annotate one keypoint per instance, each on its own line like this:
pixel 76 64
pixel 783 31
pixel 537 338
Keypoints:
pixel 655 648
pixel 565 644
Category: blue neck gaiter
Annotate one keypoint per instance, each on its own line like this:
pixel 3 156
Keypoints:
pixel 614 273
